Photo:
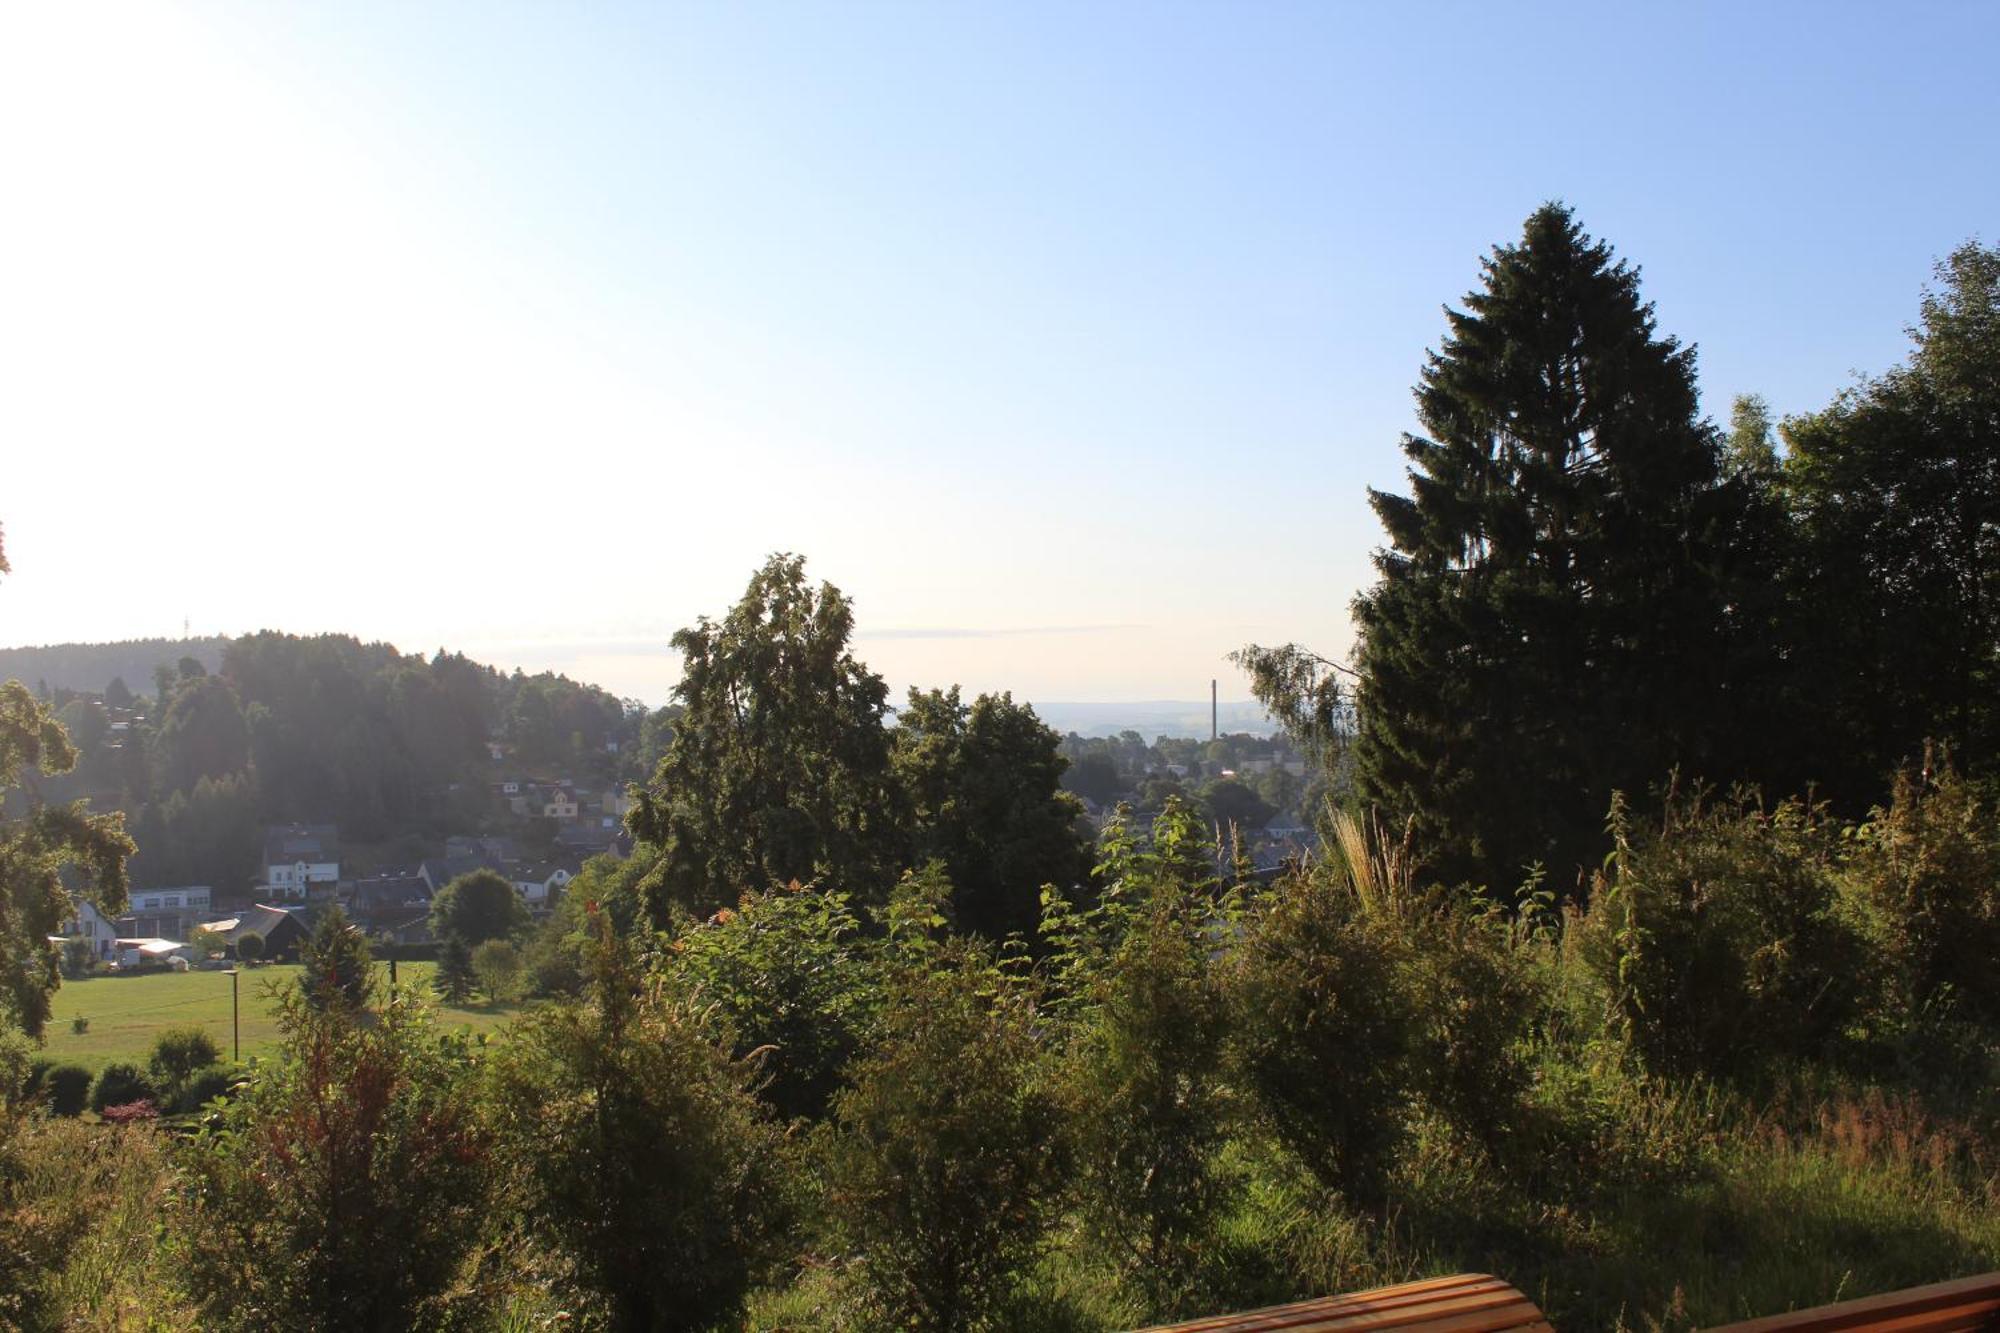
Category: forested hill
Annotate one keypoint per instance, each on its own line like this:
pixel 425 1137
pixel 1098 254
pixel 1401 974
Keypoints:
pixel 385 745
pixel 91 667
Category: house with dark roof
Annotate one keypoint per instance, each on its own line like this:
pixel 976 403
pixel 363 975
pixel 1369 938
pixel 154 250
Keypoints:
pixel 392 895
pixel 438 871
pixel 491 846
pixel 283 931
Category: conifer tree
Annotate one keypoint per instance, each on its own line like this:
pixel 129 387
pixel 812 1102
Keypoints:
pixel 453 978
pixel 1550 623
pixel 339 972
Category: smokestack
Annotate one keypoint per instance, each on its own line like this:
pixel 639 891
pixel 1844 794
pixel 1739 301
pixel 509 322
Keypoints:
pixel 1214 713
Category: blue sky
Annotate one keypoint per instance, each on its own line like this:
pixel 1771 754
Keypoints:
pixel 1065 338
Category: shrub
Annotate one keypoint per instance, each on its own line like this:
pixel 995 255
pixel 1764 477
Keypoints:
pixel 553 955
pixel 1323 1030
pixel 497 964
pixel 119 1085
pixel 249 946
pixel 67 1088
pixel 78 1213
pixel 78 959
pixel 786 972
pixel 344 1186
pixel 178 1052
pixel 639 1151
pixel 1718 939
pixel 942 1159
pixel 1923 884
pixel 1145 1075
pixel 201 1087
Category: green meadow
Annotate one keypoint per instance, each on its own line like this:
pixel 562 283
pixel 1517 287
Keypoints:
pixel 126 1013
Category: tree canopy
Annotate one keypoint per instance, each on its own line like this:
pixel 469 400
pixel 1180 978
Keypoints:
pixel 778 769
pixel 478 907
pixel 1897 491
pixel 38 851
pixel 1547 626
pixel 983 786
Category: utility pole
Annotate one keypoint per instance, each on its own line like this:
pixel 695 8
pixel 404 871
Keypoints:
pixel 1214 713
pixel 235 1019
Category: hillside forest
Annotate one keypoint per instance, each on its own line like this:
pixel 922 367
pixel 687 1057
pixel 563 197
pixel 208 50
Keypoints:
pixel 1644 951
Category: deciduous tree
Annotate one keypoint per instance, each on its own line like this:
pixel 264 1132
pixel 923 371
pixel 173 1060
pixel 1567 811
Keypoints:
pixel 37 851
pixel 478 907
pixel 1897 489
pixel 983 787
pixel 778 769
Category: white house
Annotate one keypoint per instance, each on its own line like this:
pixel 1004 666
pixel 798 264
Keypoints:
pixel 299 856
pixel 94 926
pixel 538 885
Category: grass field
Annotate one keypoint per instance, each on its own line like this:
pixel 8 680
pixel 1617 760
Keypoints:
pixel 126 1013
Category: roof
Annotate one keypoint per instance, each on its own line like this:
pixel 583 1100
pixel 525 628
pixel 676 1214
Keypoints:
pixel 286 843
pixel 151 947
pixel 261 919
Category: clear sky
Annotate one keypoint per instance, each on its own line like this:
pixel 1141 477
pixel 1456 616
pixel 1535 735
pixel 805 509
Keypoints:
pixel 1064 338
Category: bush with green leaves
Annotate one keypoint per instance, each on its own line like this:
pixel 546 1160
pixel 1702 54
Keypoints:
pixel 943 1161
pixel 787 972
pixel 66 1088
pixel 552 956
pixel 249 946
pixel 200 1088
pixel 1324 1033
pixel 497 964
pixel 637 1150
pixel 346 1184
pixel 178 1052
pixel 76 1215
pixel 78 958
pixel 1923 887
pixel 1719 938
pixel 1138 979
pixel 31 1074
pixel 122 1084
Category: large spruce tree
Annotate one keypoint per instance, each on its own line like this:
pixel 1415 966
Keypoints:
pixel 1551 623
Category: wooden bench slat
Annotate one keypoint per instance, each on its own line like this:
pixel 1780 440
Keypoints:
pixel 1380 1297
pixel 1466 1303
pixel 1331 1311
pixel 1964 1305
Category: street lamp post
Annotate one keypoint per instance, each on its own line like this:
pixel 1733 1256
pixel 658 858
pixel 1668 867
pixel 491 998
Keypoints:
pixel 235 1017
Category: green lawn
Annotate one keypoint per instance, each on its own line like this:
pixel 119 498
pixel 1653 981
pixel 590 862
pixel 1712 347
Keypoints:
pixel 126 1013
